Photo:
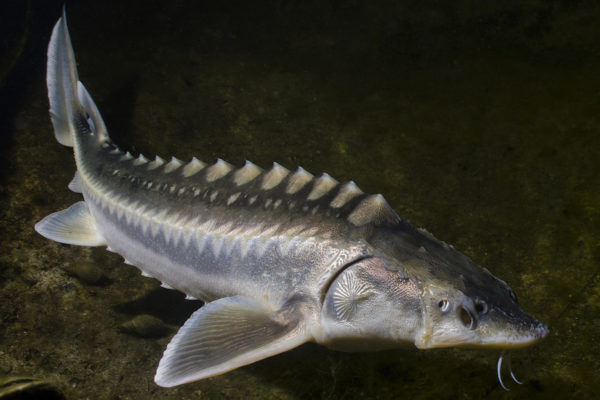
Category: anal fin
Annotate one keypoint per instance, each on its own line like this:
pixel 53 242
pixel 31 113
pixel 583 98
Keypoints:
pixel 226 334
pixel 75 225
pixel 76 185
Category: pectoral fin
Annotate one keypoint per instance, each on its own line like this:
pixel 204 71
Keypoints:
pixel 227 334
pixel 75 225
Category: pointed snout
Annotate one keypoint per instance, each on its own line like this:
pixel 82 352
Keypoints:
pixel 516 336
pixel 534 334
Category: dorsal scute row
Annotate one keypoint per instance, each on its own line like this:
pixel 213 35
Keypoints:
pixel 299 189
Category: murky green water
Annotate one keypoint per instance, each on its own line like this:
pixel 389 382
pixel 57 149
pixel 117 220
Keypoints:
pixel 481 124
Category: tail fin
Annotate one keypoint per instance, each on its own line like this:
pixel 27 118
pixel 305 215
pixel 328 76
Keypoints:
pixel 70 104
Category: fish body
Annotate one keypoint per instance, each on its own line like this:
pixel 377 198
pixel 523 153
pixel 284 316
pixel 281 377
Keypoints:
pixel 279 257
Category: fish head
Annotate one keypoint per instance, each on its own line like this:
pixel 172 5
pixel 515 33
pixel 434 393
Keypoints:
pixel 370 306
pixel 475 314
pixel 464 305
pixel 417 289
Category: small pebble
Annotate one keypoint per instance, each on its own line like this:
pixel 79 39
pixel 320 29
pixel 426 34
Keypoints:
pixel 86 272
pixel 145 326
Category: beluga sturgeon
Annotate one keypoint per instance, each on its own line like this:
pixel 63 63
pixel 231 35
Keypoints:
pixel 279 257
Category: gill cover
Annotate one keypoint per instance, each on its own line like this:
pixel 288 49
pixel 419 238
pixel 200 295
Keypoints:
pixel 369 307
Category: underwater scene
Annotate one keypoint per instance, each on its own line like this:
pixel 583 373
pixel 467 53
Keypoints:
pixel 477 121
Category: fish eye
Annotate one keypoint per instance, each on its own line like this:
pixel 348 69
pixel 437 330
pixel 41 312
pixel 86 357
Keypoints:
pixel 444 305
pixel 481 307
pixel 467 318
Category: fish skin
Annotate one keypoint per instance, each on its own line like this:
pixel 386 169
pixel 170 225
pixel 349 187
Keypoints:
pixel 280 257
